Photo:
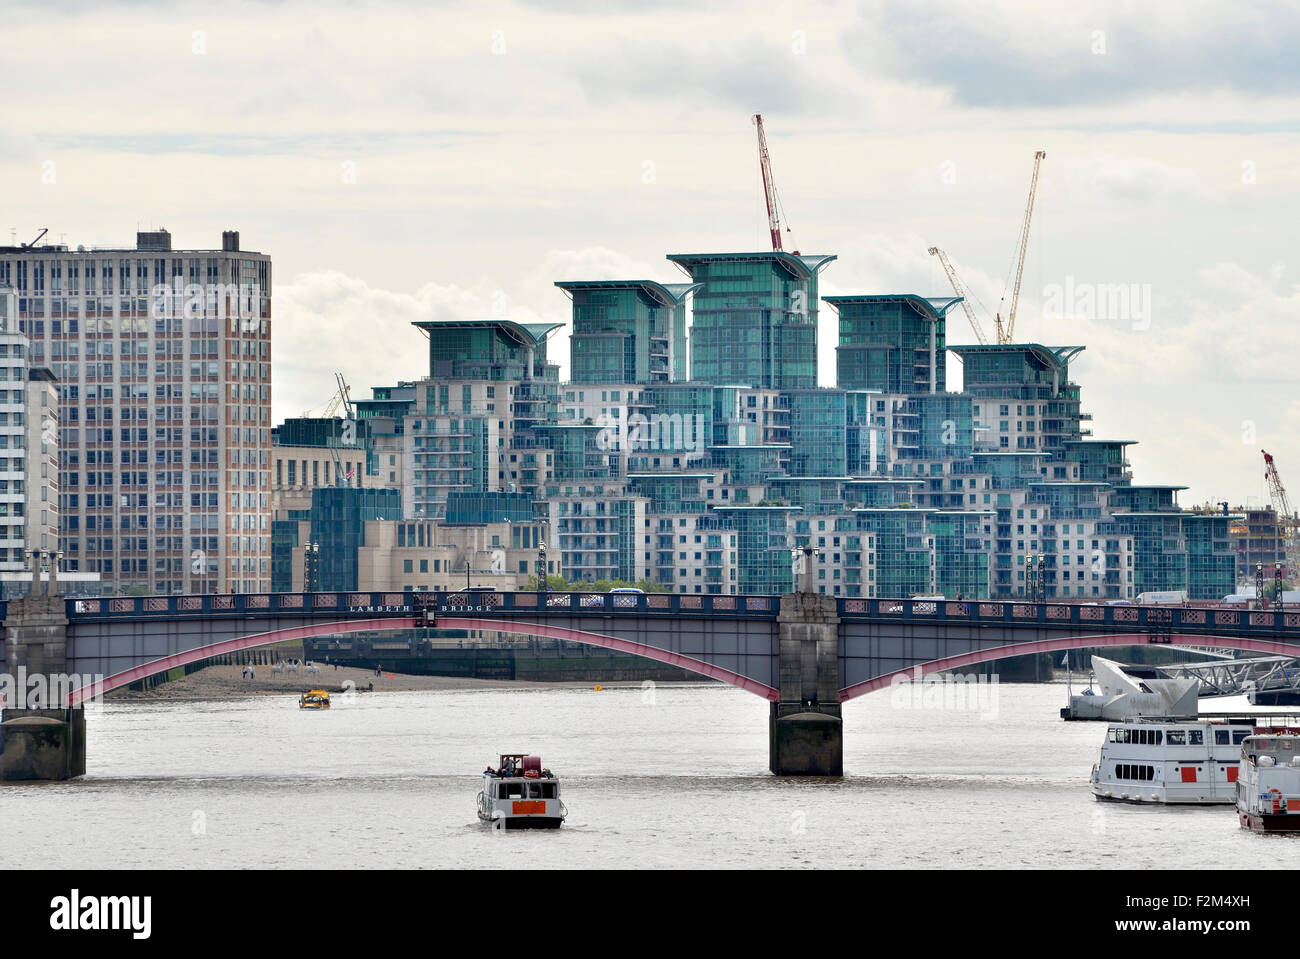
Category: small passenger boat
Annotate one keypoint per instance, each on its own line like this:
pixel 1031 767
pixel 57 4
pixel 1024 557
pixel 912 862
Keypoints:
pixel 519 794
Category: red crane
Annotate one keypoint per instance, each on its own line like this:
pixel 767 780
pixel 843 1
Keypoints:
pixel 769 188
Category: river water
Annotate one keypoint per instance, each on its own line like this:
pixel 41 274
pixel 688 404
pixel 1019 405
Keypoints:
pixel 662 776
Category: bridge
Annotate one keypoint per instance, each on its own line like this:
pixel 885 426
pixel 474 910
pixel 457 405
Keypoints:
pixel 805 653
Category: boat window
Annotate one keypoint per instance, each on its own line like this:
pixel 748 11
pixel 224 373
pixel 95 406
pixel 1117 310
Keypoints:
pixel 1135 772
pixel 510 790
pixel 1239 736
pixel 534 790
pixel 1220 737
pixel 548 790
pixel 1287 745
pixel 1122 735
pixel 1177 737
pixel 1195 737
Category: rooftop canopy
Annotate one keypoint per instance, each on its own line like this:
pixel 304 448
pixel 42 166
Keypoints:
pixel 525 334
pixel 798 266
pixel 932 308
pixel 668 294
pixel 1053 357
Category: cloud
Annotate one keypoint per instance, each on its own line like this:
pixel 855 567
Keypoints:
pixel 1012 53
pixel 1128 178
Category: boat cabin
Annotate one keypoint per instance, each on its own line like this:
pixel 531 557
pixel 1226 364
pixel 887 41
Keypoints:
pixel 1283 750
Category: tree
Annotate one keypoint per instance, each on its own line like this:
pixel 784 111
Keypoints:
pixel 556 583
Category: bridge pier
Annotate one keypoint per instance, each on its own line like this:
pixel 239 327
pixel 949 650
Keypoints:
pixel 40 737
pixel 806 731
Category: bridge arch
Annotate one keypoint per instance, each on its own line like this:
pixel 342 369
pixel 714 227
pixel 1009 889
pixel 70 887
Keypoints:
pixel 535 630
pixel 251 641
pixel 1055 645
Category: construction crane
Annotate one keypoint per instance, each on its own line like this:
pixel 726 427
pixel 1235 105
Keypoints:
pixel 960 289
pixel 769 189
pixel 340 398
pixel 1005 335
pixel 1288 528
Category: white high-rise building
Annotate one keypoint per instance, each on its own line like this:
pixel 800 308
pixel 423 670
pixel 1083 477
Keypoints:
pixel 163 366
pixel 29 466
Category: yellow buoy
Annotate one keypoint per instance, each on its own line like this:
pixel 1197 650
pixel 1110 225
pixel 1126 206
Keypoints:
pixel 598 688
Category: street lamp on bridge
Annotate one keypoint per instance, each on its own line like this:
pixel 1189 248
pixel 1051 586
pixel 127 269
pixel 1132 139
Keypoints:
pixel 1034 575
pixel 311 567
pixel 541 567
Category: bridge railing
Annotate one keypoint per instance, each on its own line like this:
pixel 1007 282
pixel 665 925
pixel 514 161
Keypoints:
pixel 395 604
pixel 1151 619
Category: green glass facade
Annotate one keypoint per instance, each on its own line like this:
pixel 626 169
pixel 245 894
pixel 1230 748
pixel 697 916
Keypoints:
pixel 765 563
pixel 338 517
pixel 754 318
pixel 885 342
pixel 961 561
pixel 483 507
pixel 818 421
pixel 1030 373
pixel 946 426
pixel 904 554
pixel 627 331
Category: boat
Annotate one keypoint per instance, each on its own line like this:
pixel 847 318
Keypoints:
pixel 314 699
pixel 1132 691
pixel 1268 788
pixel 519 794
pixel 1191 761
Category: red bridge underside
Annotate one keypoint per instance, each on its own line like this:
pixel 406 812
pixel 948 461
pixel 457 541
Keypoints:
pixel 542 631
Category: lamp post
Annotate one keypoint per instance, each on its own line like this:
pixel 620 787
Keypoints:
pixel 541 567
pixel 1035 576
pixel 1277 582
pixel 1259 585
pixel 311 567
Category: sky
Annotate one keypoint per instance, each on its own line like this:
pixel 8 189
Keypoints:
pixel 404 161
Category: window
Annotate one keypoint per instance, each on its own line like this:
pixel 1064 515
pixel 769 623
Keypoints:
pixel 1134 772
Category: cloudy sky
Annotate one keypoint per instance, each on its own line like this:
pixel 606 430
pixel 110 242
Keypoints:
pixel 407 160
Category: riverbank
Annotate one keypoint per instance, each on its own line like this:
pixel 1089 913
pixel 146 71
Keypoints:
pixel 227 682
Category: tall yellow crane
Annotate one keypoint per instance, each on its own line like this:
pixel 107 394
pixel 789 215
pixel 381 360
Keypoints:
pixel 1288 527
pixel 960 289
pixel 1006 335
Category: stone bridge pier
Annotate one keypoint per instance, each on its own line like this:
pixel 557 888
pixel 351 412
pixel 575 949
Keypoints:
pixel 40 738
pixel 806 731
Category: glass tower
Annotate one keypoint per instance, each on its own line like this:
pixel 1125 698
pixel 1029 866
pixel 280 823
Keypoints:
pixel 627 331
pixel 754 318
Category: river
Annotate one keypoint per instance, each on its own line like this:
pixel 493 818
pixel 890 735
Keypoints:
pixel 661 776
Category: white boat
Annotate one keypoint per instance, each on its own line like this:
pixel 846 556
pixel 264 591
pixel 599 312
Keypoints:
pixel 1190 761
pixel 519 794
pixel 1268 788
pixel 1133 691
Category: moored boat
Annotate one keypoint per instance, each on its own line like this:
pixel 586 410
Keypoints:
pixel 1268 789
pixel 519 794
pixel 1173 761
